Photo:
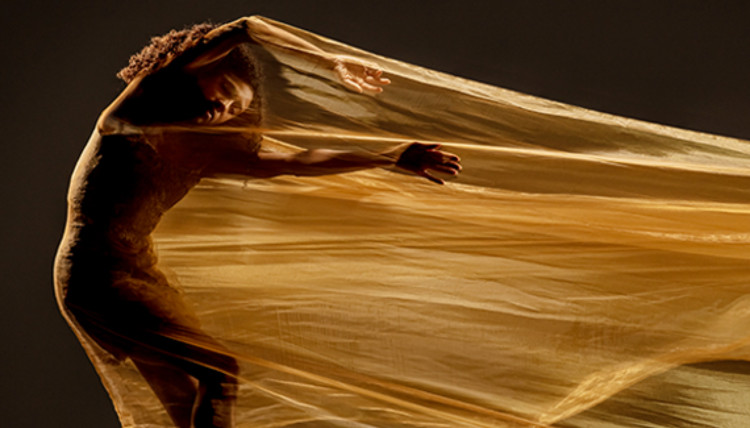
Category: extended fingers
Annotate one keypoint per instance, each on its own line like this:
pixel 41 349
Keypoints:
pixel 352 85
pixel 377 80
pixel 445 169
pixel 453 165
pixel 375 77
pixel 420 158
pixel 443 162
pixel 373 80
pixel 442 157
pixel 360 76
pixel 435 148
pixel 357 84
pixel 431 177
pixel 369 87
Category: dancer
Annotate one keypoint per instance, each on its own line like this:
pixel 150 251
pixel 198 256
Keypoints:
pixel 192 109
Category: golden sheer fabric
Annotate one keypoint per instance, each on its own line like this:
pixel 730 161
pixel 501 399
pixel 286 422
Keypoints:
pixel 584 269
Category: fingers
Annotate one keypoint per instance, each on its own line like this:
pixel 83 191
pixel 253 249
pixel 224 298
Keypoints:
pixel 442 157
pixel 435 148
pixel 371 80
pixel 431 177
pixel 446 169
pixel 443 162
pixel 420 157
pixel 370 87
pixel 352 85
pixel 377 80
pixel 359 76
pixel 374 77
pixel 447 160
pixel 454 165
pixel 358 85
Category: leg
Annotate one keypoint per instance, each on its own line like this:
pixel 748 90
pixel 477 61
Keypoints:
pixel 173 386
pixel 216 373
pixel 217 393
pixel 191 373
pixel 173 368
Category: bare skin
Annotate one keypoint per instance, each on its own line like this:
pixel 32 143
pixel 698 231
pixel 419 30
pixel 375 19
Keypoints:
pixel 231 96
pixel 122 186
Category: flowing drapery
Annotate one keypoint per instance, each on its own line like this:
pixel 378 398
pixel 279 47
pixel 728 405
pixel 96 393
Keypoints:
pixel 584 270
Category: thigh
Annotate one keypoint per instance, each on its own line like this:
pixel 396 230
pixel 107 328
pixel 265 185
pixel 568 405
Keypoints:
pixel 133 311
pixel 146 298
pixel 189 350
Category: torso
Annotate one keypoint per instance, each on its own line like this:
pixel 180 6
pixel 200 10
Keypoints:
pixel 127 177
pixel 119 191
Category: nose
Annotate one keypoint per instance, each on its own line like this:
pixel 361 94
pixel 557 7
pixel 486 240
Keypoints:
pixel 222 106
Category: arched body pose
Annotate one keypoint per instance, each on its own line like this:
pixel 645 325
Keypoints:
pixel 154 143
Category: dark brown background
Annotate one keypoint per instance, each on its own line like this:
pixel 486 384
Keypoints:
pixel 681 63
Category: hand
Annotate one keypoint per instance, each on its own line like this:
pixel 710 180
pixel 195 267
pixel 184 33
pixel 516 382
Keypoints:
pixel 419 158
pixel 358 75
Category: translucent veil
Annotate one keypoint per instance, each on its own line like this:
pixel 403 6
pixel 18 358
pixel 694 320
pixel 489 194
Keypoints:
pixel 584 269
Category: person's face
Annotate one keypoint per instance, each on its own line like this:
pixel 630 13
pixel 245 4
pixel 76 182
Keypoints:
pixel 229 97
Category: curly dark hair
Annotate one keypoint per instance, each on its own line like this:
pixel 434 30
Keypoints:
pixel 162 49
pixel 169 93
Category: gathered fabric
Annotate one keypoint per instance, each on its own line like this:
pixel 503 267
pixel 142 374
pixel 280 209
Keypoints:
pixel 583 270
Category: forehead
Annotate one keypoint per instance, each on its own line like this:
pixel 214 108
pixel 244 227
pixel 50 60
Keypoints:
pixel 233 78
pixel 225 82
pixel 218 71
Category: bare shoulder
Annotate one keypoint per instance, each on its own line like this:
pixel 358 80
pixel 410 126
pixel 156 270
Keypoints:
pixel 112 120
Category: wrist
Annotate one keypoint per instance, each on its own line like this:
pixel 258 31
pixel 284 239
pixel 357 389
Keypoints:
pixel 392 155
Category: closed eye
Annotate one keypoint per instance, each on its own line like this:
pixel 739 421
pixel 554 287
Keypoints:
pixel 228 88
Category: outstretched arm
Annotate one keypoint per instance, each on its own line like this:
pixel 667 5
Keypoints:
pixel 355 74
pixel 417 158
